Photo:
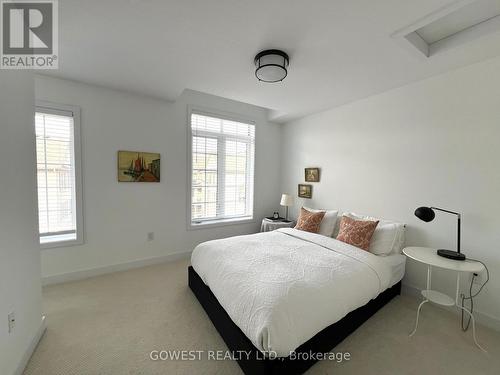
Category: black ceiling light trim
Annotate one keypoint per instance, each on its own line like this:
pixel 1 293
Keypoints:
pixel 271 65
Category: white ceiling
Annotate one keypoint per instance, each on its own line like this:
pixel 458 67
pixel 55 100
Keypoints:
pixel 340 51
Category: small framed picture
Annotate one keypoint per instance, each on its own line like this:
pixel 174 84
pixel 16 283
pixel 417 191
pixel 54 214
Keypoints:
pixel 305 191
pixel 312 174
pixel 136 166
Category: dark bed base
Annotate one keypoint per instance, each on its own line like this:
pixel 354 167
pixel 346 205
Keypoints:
pixel 323 342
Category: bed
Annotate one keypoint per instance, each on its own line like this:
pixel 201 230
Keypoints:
pixel 276 294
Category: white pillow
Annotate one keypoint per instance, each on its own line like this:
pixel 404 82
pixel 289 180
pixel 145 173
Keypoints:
pixel 388 238
pixel 328 223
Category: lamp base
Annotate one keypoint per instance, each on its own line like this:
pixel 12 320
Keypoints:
pixel 450 254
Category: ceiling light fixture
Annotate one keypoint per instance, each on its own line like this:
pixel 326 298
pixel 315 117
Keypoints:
pixel 271 65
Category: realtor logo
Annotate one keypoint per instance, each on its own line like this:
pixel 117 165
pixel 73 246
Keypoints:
pixel 29 34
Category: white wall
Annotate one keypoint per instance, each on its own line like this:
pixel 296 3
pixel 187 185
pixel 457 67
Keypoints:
pixel 435 142
pixel 20 290
pixel 118 216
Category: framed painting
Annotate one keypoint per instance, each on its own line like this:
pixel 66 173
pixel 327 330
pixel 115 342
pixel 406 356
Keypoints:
pixel 305 191
pixel 136 166
pixel 312 174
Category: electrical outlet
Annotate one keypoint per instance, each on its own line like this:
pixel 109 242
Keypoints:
pixel 12 321
pixel 151 236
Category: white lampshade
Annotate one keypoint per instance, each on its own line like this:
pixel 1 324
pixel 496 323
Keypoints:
pixel 286 200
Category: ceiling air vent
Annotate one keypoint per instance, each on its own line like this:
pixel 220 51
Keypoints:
pixel 451 26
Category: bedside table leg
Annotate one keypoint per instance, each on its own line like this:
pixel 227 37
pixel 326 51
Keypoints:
pixel 429 284
pixel 458 288
pixel 468 312
pixel 418 313
pixel 429 277
pixel 473 328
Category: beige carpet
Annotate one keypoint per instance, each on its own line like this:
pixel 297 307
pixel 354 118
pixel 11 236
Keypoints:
pixel 109 325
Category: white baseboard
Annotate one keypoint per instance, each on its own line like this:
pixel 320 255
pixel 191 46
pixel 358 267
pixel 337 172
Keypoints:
pixel 31 348
pixel 87 273
pixel 481 317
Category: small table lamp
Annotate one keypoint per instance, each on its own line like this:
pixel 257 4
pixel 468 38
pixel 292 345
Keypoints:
pixel 287 201
pixel 427 214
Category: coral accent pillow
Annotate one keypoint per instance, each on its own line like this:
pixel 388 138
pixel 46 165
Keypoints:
pixel 356 232
pixel 309 221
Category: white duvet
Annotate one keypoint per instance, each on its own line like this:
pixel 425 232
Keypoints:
pixel 283 287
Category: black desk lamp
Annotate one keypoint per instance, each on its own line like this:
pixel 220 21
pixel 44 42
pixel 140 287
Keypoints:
pixel 427 214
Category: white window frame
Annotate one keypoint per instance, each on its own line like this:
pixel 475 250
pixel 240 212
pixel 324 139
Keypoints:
pixel 209 223
pixel 63 109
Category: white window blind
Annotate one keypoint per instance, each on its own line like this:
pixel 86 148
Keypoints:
pixel 56 175
pixel 222 169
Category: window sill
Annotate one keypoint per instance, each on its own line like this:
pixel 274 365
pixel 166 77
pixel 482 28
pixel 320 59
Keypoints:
pixel 62 240
pixel 220 223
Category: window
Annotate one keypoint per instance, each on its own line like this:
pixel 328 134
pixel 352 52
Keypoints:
pixel 58 175
pixel 222 169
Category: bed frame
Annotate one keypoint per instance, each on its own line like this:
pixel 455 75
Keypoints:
pixel 323 342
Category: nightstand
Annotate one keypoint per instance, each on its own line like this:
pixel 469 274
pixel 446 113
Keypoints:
pixel 269 225
pixel 429 257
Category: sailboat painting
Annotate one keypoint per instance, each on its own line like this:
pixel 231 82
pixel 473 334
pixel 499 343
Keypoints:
pixel 134 166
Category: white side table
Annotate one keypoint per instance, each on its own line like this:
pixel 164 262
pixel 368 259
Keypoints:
pixel 428 256
pixel 269 225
